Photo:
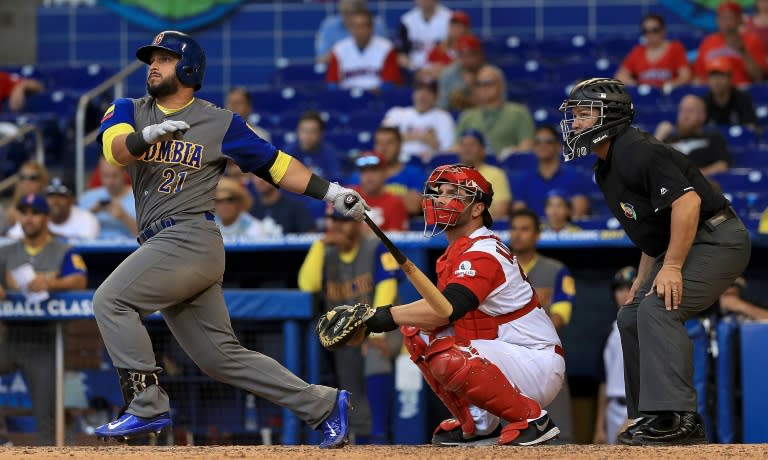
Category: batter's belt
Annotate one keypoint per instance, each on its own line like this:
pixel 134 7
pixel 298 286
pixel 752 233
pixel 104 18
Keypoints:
pixel 159 225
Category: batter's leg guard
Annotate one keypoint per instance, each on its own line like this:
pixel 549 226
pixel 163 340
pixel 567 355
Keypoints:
pixel 459 368
pixel 458 407
pixel 127 425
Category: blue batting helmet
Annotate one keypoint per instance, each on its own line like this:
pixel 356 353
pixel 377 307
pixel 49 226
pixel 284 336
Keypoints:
pixel 191 66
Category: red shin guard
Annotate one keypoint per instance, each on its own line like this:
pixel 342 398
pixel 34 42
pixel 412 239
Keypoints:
pixel 458 368
pixel 458 407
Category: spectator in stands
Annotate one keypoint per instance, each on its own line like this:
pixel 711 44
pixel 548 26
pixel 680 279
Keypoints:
pixel 239 101
pixel 534 185
pixel 758 22
pixel 421 28
pixel 557 212
pixel 472 152
pixel 731 301
pixel 405 180
pixel 425 128
pixel 611 394
pixel 29 346
pixel 555 288
pixel 727 105
pixel 65 219
pixel 348 269
pixel 363 61
pixel 335 28
pixel 387 209
pixel 658 61
pixel 32 178
pixel 743 49
pixel 112 203
pixel 444 53
pixel 707 149
pixel 287 212
pixel 232 203
pixel 312 149
pixel 456 81
pixel 14 90
pixel 507 126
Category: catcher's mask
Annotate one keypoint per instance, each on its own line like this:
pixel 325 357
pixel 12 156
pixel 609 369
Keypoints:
pixel 443 210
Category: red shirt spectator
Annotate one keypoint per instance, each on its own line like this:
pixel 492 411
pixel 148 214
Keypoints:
pixel 743 49
pixel 387 209
pixel 14 88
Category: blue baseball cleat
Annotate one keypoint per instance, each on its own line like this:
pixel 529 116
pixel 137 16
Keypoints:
pixel 336 426
pixel 129 425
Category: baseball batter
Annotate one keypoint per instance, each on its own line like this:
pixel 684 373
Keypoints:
pixel 497 357
pixel 175 148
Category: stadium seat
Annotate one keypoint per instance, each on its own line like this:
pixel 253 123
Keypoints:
pixel 63 103
pixel 617 47
pixel 558 48
pixel 395 97
pixel 505 46
pixel 759 93
pixel 300 75
pixel 739 137
pixel 678 92
pixel 344 101
pixel 279 99
pixel 78 78
pixel 364 121
pixel 738 180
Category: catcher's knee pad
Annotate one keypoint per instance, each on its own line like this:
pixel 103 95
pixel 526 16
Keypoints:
pixel 458 366
pixel 458 407
pixel 133 382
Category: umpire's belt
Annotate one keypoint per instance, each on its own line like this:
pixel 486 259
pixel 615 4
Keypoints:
pixel 157 226
pixel 722 216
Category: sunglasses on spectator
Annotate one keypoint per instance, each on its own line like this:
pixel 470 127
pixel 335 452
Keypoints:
pixel 485 82
pixel 29 177
pixel 544 140
pixel 230 199
pixel 651 30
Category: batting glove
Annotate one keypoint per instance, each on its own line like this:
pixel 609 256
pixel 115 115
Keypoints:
pixel 339 197
pixel 165 131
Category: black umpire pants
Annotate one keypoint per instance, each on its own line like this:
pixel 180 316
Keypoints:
pixel 658 355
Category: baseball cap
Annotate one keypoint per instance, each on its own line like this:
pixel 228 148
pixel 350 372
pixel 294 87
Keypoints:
pixel 36 202
pixel 477 135
pixel 733 7
pixel 624 277
pixel 720 64
pixel 468 43
pixel 461 17
pixel 369 159
pixel 57 187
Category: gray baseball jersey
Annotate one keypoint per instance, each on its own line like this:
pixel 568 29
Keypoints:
pixel 55 258
pixel 180 176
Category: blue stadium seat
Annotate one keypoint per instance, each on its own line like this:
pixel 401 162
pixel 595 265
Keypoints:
pixel 345 142
pixel 578 69
pixel 277 100
pixel 617 47
pixel 442 158
pixel 759 93
pixel 364 121
pixel 344 101
pixel 678 92
pixel 63 103
pixel 401 96
pixel 546 115
pixel 739 138
pixel 504 46
pixel 79 78
pixel 301 75
pixel 738 180
pixel 558 48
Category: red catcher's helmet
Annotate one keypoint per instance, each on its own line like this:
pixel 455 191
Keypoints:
pixel 443 211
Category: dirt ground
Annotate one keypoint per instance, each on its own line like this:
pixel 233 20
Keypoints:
pixel 115 452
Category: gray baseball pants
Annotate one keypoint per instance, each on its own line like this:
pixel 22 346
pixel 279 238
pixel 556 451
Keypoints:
pixel 179 272
pixel 658 355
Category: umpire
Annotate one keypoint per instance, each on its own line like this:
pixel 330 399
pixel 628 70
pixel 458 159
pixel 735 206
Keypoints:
pixel 693 247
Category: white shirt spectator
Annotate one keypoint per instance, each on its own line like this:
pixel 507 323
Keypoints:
pixel 364 69
pixel 423 35
pixel 248 228
pixel 81 225
pixel 408 120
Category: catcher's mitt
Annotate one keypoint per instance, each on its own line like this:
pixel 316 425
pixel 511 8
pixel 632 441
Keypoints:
pixel 344 325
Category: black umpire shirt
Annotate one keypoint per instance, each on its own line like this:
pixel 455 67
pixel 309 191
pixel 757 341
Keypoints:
pixel 640 178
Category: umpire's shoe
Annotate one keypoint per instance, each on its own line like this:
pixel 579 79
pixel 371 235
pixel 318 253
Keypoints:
pixel 672 429
pixel 129 426
pixel 626 437
pixel 336 426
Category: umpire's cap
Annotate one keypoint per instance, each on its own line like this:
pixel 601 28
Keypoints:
pixel 191 66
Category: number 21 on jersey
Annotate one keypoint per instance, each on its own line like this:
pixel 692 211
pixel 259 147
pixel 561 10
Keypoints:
pixel 173 182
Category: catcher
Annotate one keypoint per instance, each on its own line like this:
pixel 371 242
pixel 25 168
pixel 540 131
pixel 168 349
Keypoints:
pixel 497 359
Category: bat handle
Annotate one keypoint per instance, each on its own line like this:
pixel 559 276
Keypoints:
pixel 350 201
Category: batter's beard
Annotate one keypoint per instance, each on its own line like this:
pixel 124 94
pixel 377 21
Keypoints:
pixel 164 88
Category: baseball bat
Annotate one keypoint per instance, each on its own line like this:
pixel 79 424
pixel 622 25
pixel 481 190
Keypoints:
pixel 423 285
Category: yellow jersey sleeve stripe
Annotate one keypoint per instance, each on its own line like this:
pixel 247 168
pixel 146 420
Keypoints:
pixel 562 308
pixel 311 271
pixel 385 293
pixel 109 135
pixel 280 166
